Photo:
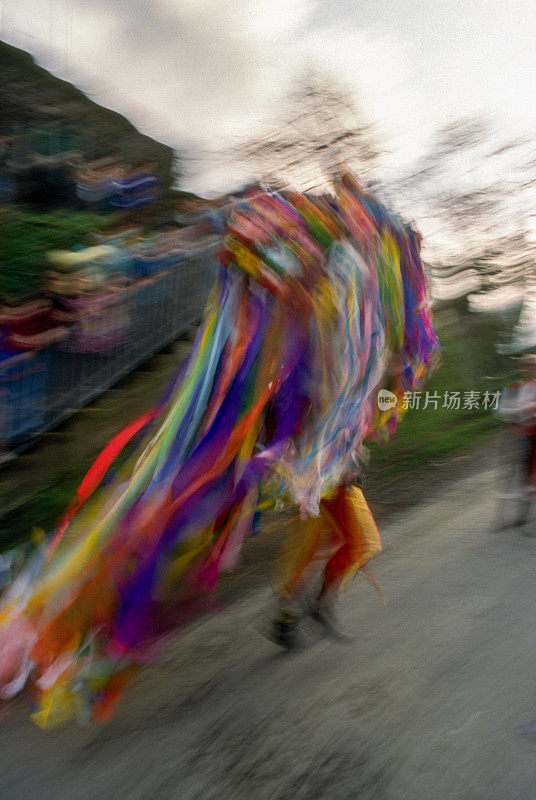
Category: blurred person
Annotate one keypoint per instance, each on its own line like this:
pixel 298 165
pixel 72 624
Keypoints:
pixel 343 538
pixel 518 409
pixel 314 302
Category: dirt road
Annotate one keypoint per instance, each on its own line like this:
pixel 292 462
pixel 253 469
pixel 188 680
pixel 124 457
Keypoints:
pixel 423 703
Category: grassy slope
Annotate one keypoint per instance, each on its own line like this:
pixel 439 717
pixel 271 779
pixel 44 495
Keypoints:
pixel 470 363
pixel 31 97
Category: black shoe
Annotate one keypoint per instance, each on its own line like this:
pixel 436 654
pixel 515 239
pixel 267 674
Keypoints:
pixel 321 612
pixel 284 631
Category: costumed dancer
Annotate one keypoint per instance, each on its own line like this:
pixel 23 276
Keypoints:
pixel 316 299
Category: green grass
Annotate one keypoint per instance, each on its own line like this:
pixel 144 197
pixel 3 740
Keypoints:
pixel 26 237
pixel 470 363
pixel 41 510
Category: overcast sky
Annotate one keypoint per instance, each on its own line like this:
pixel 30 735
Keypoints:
pixel 206 72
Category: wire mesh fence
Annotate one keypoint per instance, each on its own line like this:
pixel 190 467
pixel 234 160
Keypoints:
pixel 40 388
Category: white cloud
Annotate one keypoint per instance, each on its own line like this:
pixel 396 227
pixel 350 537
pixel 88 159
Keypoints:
pixel 208 71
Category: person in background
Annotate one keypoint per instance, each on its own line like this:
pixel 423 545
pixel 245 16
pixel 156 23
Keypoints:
pixel 518 409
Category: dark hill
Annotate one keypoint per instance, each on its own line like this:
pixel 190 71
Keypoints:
pixel 35 102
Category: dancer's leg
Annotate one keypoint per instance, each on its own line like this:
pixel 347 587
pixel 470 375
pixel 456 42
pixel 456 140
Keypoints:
pixel 351 517
pixel 296 555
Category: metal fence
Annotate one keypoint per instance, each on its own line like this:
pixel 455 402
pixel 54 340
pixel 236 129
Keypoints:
pixel 39 389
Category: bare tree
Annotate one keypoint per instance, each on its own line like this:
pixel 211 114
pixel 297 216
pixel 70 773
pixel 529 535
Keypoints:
pixel 319 131
pixel 472 195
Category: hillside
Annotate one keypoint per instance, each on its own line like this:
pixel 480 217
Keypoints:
pixel 32 99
